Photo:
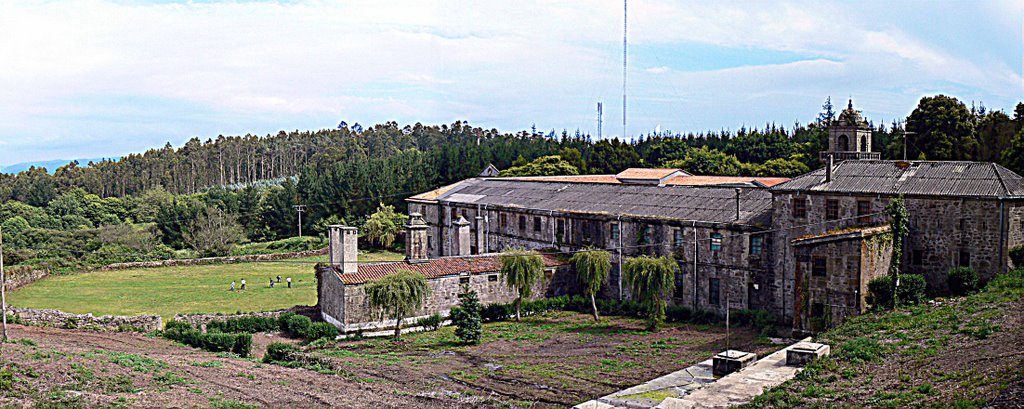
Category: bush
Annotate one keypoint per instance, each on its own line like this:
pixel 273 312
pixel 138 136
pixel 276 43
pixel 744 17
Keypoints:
pixel 178 325
pixel 497 312
pixel 295 325
pixel 763 321
pixel 962 280
pixel 280 351
pixel 432 322
pixel 911 290
pixel 466 317
pixel 1017 256
pixel 321 330
pixel 250 324
pixel 240 344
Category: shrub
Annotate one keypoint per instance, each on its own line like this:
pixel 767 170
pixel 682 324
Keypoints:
pixel 911 290
pixel 295 325
pixel 240 344
pixel 763 321
pixel 178 325
pixel 321 330
pixel 1017 256
pixel 466 317
pixel 678 313
pixel 962 280
pixel 251 324
pixel 280 351
pixel 432 322
pixel 496 312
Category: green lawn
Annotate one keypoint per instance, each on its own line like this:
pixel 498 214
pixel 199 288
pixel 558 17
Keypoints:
pixel 170 290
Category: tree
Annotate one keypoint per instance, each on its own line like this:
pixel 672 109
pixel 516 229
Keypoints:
pixel 213 233
pixel 1013 157
pixel 383 225
pixel 466 317
pixel 521 269
pixel 704 161
pixel 592 268
pixel 777 168
pixel 944 130
pixel 650 281
pixel 827 113
pixel 552 165
pixel 397 296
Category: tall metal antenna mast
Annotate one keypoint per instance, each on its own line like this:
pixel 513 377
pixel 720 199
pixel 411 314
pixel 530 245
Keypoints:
pixel 624 20
pixel 600 119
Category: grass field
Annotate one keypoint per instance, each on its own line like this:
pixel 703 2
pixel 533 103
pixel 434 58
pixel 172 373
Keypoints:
pixel 188 289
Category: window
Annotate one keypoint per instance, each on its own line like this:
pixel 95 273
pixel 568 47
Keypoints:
pixel 536 224
pixel 522 224
pixel 819 267
pixel 430 243
pixel 831 209
pixel 965 259
pixel 645 235
pixel 713 291
pixel 463 280
pixel 716 241
pixel 756 243
pixel 615 231
pixel 560 228
pixel 863 210
pixel 423 209
pixel 455 213
pixel 677 237
pixel 799 208
pixel 917 257
pixel 492 278
pixel 502 220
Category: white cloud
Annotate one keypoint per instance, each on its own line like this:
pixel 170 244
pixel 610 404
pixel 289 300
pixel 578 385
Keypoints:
pixel 658 70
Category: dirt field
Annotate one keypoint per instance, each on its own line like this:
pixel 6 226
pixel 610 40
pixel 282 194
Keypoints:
pixel 552 360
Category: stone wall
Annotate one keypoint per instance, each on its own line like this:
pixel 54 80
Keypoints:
pixel 348 305
pixel 55 318
pixel 200 320
pixel 214 260
pixel 1015 226
pixel 17 277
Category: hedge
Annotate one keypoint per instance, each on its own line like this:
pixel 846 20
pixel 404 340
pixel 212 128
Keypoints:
pixel 240 343
pixel 250 324
pixel 962 280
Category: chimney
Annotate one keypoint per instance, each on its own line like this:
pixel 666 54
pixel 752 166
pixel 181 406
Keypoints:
pixel 828 169
pixel 461 238
pixel 416 239
pixel 481 228
pixel 737 203
pixel 343 248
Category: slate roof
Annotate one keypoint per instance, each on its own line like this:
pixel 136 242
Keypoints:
pixel 654 174
pixel 435 268
pixel 707 204
pixel 923 178
pixel 684 180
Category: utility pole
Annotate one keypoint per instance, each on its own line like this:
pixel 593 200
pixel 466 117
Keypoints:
pixel 600 113
pixel 300 209
pixel 624 21
pixel 905 133
pixel 3 285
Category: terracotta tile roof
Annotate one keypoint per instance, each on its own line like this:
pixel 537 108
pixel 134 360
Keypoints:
pixel 842 233
pixel 433 194
pixel 647 173
pixel 676 181
pixel 722 180
pixel 439 267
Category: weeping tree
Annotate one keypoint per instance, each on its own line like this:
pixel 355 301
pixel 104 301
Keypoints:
pixel 521 269
pixel 650 279
pixel 397 296
pixel 592 268
pixel 383 225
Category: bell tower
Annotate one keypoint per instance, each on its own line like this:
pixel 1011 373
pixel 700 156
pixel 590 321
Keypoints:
pixel 849 137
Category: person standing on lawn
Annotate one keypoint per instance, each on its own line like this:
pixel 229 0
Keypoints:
pixel 232 285
pixel 279 279
pixel 271 283
pixel 289 282
pixel 243 284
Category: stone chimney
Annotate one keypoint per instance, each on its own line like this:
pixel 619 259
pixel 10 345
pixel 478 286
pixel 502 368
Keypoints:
pixel 828 169
pixel 481 238
pixel 737 203
pixel 343 248
pixel 416 239
pixel 461 239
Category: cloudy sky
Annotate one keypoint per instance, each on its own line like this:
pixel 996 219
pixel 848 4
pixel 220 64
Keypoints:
pixel 104 78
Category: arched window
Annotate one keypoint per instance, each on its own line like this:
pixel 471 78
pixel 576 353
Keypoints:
pixel 864 144
pixel 844 143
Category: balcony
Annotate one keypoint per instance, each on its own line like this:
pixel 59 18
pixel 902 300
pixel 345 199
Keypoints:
pixel 850 155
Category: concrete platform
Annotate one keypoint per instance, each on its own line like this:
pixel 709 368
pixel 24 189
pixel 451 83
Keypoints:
pixel 697 387
pixel 731 361
pixel 802 353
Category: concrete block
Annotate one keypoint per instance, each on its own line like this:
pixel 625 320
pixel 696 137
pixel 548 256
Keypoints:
pixel 731 361
pixel 802 353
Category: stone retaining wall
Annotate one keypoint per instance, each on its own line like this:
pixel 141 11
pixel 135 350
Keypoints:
pixel 214 260
pixel 200 320
pixel 19 277
pixel 61 319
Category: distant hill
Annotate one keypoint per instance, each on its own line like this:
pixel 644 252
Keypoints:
pixel 50 165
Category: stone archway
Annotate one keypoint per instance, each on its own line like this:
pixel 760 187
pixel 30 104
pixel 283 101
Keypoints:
pixel 843 143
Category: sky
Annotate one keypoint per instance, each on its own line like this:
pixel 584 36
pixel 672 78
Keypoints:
pixel 94 78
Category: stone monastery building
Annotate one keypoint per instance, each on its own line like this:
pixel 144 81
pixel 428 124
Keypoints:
pixel 803 248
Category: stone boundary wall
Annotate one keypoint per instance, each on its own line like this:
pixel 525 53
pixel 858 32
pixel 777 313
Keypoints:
pixel 200 320
pixel 213 260
pixel 61 319
pixel 19 277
